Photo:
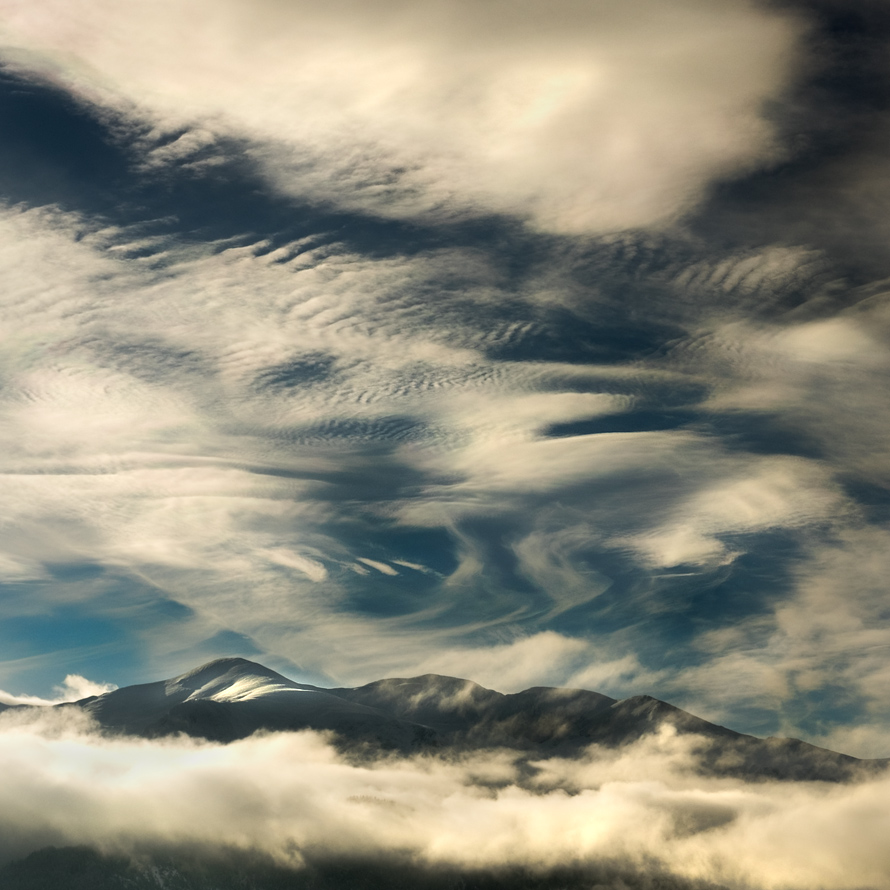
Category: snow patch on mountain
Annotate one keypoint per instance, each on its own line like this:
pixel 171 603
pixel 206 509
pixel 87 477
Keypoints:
pixel 242 689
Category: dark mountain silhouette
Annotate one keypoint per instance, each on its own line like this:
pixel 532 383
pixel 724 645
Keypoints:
pixel 81 868
pixel 232 698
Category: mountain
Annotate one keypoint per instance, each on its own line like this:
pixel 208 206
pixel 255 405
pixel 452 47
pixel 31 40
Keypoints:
pixel 82 868
pixel 231 698
pixel 554 721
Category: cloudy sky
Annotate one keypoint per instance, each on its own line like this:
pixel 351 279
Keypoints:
pixel 531 343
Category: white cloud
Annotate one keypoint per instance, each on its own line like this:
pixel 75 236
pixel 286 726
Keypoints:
pixel 756 279
pixel 381 567
pixel 312 568
pixel 551 555
pixel 821 380
pixel 513 666
pixel 76 687
pixel 490 468
pixel 612 675
pixel 868 740
pixel 776 492
pixel 223 493
pixel 137 434
pixel 73 688
pixel 579 117
pixel 290 795
pixel 825 637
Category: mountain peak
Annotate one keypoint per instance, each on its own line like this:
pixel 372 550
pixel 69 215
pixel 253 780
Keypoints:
pixel 230 679
pixel 231 698
pixel 220 666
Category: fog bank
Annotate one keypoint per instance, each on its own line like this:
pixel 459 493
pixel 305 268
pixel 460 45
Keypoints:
pixel 292 797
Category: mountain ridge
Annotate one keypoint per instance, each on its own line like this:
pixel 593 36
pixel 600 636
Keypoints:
pixel 231 698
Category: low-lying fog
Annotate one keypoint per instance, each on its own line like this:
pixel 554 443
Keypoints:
pixel 292 795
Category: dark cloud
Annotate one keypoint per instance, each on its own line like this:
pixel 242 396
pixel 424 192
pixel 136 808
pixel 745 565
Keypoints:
pixel 54 148
pixel 829 193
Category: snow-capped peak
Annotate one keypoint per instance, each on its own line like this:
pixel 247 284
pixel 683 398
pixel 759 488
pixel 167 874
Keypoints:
pixel 231 680
pixel 242 689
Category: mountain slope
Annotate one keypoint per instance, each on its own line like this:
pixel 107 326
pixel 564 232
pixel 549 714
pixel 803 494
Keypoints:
pixel 232 698
pixel 463 712
pixel 81 868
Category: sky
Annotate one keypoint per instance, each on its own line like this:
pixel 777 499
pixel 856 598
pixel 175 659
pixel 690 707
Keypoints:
pixel 538 344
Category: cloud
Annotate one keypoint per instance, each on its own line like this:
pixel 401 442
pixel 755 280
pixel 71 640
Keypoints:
pixel 212 461
pixel 819 378
pixel 510 667
pixel 777 492
pixel 820 648
pixel 381 567
pixel 638 443
pixel 76 687
pixel 238 455
pixel 73 688
pixel 312 568
pixel 594 117
pixel 641 808
pixel 192 457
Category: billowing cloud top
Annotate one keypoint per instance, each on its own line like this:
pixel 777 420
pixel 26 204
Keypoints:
pixel 575 116
pixel 637 817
